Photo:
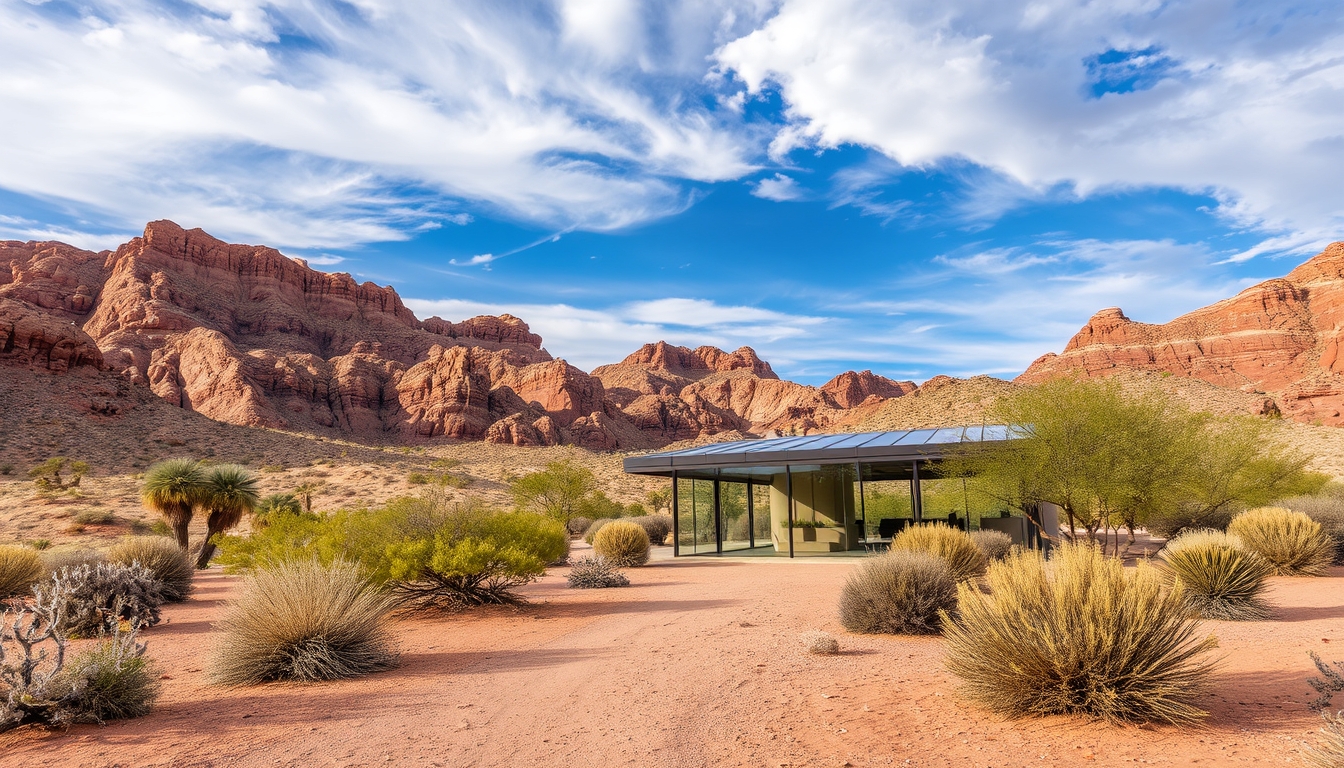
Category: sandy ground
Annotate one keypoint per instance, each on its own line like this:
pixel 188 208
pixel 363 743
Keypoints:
pixel 698 663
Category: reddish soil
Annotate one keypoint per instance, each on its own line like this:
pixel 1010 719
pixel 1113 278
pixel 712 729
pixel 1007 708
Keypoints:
pixel 698 663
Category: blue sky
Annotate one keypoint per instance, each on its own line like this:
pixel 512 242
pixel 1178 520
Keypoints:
pixel 912 187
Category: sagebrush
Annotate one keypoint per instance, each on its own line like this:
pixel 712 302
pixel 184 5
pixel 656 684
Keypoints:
pixel 305 622
pixel 656 526
pixel 1079 636
pixel 595 573
pixel 20 569
pixel 1221 578
pixel 954 546
pixel 623 544
pixel 900 592
pixel 1292 543
pixel 820 643
pixel 994 545
pixel 99 597
pixel 169 564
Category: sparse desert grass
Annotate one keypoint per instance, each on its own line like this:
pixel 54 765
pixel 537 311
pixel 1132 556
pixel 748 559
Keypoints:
pixel 1292 543
pixel 305 622
pixel 20 569
pixel 954 546
pixel 820 643
pixel 1221 578
pixel 168 563
pixel 595 573
pixel 623 544
pixel 994 545
pixel 1080 636
pixel 95 517
pixel 900 592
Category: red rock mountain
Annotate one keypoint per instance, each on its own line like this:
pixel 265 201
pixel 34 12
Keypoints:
pixel 245 335
pixel 1280 338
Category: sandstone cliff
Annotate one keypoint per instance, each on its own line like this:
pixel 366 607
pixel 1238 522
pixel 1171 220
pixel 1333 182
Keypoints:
pixel 247 336
pixel 1279 339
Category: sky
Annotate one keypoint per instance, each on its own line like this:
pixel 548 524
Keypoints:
pixel 908 186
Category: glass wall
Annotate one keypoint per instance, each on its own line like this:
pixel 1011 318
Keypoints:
pixel 744 510
pixel 885 500
pixel 695 517
pixel 736 521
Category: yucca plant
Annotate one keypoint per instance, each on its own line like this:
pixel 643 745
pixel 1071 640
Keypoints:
pixel 1292 543
pixel 953 546
pixel 1079 636
pixel 174 488
pixel 230 493
pixel 1220 577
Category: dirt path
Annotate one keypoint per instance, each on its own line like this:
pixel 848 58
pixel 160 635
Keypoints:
pixel 697 664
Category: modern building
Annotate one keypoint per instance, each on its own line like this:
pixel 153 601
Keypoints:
pixel 821 494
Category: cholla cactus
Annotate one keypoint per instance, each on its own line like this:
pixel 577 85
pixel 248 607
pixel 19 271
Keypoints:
pixel 98 596
pixel 32 655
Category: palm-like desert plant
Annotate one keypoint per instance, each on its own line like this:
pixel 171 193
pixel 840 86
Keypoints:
pixel 231 492
pixel 174 488
pixel 1222 579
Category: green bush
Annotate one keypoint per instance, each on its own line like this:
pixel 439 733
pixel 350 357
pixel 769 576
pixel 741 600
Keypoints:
pixel 305 622
pixel 1168 523
pixel 595 573
pixel 47 475
pixel 277 505
pixel 432 553
pixel 594 527
pixel 623 544
pixel 901 592
pixel 1080 636
pixel 656 526
pixel 1292 543
pixel 994 545
pixel 168 563
pixel 20 569
pixel 95 517
pixel 1220 577
pixel 956 547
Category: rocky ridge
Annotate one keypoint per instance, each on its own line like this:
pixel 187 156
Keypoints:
pixel 245 335
pixel 1279 341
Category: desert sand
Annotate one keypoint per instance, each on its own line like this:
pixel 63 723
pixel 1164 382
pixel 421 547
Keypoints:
pixel 697 663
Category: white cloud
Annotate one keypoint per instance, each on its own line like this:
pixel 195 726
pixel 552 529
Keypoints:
pixel 779 188
pixel 1246 104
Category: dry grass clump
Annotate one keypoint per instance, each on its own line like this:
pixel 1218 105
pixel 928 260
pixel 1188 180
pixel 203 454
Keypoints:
pixel 1079 636
pixel 900 592
pixel 595 573
pixel 1330 752
pixel 305 622
pixel 1328 510
pixel 112 681
pixel 71 558
pixel 1221 579
pixel 820 643
pixel 624 544
pixel 20 569
pixel 169 563
pixel 954 546
pixel 994 545
pixel 1291 542
pixel 594 527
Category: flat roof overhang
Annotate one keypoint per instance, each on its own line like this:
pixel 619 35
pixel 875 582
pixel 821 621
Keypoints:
pixel 897 450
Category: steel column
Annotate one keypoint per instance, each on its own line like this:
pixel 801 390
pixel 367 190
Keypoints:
pixel 788 480
pixel 676 518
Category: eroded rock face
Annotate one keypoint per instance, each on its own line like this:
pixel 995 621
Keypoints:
pixel 245 335
pixel 1280 337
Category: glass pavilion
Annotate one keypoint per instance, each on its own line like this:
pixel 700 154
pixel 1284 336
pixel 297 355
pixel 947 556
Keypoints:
pixel 829 493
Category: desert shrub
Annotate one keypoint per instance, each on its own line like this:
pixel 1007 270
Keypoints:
pixel 656 526
pixel 111 681
pixel 595 573
pixel 1328 684
pixel 562 490
pixel 276 505
pixel 1221 579
pixel 37 686
pixel 956 547
pixel 168 563
pixel 47 475
pixel 591 532
pixel 1292 543
pixel 98 597
pixel 20 569
pixel 417 478
pixel 304 621
pixel 624 544
pixel 994 545
pixel 1330 752
pixel 1326 509
pixel 1168 523
pixel 95 517
pixel 819 642
pixel 1080 636
pixel 901 592
pixel 69 558
pixel 40 544
pixel 577 525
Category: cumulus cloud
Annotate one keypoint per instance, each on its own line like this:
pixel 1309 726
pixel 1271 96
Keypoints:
pixel 779 188
pixel 1241 101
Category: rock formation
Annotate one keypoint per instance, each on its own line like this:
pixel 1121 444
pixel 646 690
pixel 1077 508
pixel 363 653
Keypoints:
pixel 247 336
pixel 1280 338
